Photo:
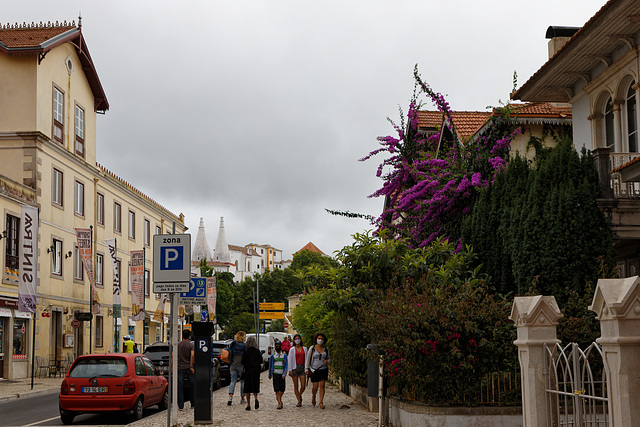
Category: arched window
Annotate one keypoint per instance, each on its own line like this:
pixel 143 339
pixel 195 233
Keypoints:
pixel 248 265
pixel 608 126
pixel 632 122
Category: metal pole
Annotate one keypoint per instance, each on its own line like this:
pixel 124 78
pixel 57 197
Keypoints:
pixel 258 306
pixel 144 296
pixel 381 395
pixel 116 334
pixel 90 296
pixel 173 358
pixel 33 348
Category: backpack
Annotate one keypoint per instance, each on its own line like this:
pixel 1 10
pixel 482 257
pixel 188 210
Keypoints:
pixel 224 356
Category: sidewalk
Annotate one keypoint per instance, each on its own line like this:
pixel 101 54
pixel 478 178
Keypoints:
pixel 14 389
pixel 341 410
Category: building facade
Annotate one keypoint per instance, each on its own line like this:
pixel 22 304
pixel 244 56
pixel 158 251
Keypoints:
pixel 51 100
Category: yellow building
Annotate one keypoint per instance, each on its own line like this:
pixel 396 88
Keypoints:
pixel 51 95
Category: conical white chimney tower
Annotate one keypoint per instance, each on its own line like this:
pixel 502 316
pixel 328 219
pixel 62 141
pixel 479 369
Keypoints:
pixel 201 247
pixel 222 247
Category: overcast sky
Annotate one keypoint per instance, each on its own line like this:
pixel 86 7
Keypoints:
pixel 258 111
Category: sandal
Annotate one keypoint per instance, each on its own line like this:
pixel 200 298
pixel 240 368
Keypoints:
pixel 279 406
pixel 299 403
pixel 321 405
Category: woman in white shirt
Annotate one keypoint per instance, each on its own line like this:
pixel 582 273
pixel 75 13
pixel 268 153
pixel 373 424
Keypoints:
pixel 296 366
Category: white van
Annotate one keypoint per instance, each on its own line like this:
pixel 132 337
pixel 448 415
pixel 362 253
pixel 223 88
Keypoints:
pixel 266 343
pixel 280 336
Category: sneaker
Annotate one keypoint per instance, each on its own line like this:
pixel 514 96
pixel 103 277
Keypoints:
pixel 257 404
pixel 248 408
pixel 229 403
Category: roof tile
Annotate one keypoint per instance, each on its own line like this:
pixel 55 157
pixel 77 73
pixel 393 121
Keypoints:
pixel 31 35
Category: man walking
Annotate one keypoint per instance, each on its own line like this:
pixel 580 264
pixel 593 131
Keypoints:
pixel 185 367
pixel 127 346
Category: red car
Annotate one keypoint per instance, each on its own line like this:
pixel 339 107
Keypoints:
pixel 97 383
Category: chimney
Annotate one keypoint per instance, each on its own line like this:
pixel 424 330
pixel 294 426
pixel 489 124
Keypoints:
pixel 558 36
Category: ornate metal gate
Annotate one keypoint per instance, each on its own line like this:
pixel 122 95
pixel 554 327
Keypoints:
pixel 576 385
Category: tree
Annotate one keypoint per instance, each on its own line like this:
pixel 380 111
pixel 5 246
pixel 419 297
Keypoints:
pixel 307 258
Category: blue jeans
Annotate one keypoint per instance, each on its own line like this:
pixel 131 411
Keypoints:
pixel 181 374
pixel 235 372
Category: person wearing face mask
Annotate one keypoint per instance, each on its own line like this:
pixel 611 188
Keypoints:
pixel 278 371
pixel 317 366
pixel 297 358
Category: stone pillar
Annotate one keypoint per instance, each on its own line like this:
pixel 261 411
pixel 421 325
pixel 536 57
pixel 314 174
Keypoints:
pixel 617 127
pixel 617 306
pixel 536 319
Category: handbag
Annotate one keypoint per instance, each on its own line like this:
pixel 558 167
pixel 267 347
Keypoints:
pixel 224 355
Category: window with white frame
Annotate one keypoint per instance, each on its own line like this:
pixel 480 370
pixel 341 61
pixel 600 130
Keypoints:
pixel 78 206
pixel 132 225
pixel 56 187
pixel 58 114
pixel 78 273
pixel 117 217
pixel 100 208
pixel 99 269
pixel 11 248
pixel 56 257
pixel 632 120
pixel 99 330
pixel 147 232
pixel 158 231
pixel 79 122
pixel 147 282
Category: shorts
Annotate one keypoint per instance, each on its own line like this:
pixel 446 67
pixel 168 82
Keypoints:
pixel 279 383
pixel 298 371
pixel 320 375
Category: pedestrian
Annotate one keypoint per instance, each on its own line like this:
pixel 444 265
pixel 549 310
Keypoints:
pixel 317 366
pixel 135 348
pixel 252 362
pixel 185 368
pixel 236 351
pixel 278 371
pixel 127 346
pixel 286 345
pixel 297 358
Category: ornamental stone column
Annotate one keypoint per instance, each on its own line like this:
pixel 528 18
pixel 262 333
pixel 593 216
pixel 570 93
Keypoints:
pixel 536 319
pixel 617 306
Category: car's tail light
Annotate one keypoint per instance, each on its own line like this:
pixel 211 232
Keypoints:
pixel 269 352
pixel 129 387
pixel 64 388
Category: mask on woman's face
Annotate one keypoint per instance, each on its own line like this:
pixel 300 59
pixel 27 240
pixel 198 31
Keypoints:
pixel 278 349
pixel 320 341
pixel 297 341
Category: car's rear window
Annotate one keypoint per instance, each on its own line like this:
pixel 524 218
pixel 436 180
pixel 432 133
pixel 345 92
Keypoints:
pixel 89 368
pixel 157 349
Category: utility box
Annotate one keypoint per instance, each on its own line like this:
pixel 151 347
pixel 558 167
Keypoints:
pixel 202 413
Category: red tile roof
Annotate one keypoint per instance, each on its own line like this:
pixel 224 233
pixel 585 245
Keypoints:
pixel 32 35
pixel 311 247
pixel 541 109
pixel 466 123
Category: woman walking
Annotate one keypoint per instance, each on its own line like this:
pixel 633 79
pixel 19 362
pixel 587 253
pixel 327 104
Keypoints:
pixel 297 358
pixel 252 362
pixel 236 351
pixel 317 366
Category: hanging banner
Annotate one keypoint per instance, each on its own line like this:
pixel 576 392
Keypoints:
pixel 28 280
pixel 211 298
pixel 83 236
pixel 159 314
pixel 136 272
pixel 117 304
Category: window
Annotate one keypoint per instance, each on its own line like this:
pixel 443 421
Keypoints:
pixel 146 283
pixel 56 257
pixel 119 264
pixel 608 125
pixel 78 273
pixel 147 232
pixel 11 259
pixel 158 230
pixel 117 218
pixel 99 330
pixel 79 131
pixel 132 225
pixel 58 114
pixel 78 206
pixel 56 187
pixel 632 122
pixel 99 269
pixel 20 336
pixel 100 208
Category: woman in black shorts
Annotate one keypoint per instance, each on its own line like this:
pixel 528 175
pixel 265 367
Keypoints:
pixel 317 366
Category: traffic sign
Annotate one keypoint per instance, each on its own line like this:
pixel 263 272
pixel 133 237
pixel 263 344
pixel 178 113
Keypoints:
pixel 75 323
pixel 171 258
pixel 272 315
pixel 285 325
pixel 271 306
pixel 172 287
pixel 197 292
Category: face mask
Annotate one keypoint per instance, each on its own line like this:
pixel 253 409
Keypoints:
pixel 278 349
pixel 320 341
pixel 297 341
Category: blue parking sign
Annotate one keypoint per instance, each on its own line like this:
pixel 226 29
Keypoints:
pixel 171 258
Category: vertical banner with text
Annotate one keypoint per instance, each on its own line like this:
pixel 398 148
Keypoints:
pixel 83 235
pixel 137 284
pixel 158 316
pixel 117 303
pixel 28 255
pixel 211 298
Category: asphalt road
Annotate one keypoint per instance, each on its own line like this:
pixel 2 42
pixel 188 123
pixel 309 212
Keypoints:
pixel 42 410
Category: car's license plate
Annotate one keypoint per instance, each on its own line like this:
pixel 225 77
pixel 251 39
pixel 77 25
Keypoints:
pixel 95 389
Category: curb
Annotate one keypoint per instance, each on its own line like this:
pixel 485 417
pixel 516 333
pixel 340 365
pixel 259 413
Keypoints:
pixel 29 394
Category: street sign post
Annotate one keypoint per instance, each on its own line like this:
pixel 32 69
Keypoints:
pixel 197 292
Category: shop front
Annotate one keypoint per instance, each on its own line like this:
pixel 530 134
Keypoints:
pixel 15 345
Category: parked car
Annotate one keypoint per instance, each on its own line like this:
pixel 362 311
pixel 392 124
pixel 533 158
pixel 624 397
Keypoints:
pixel 159 353
pixel 216 350
pixel 96 383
